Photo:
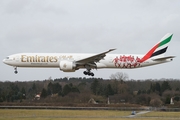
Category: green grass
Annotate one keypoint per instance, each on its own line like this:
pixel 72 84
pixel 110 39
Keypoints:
pixel 84 119
pixel 21 114
pixel 56 114
pixel 162 114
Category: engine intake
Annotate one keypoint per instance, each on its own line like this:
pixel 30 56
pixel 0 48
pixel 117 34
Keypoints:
pixel 67 66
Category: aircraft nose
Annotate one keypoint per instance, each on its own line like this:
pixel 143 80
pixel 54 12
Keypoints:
pixel 4 61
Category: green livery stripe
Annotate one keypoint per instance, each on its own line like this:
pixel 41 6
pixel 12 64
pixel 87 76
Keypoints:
pixel 165 41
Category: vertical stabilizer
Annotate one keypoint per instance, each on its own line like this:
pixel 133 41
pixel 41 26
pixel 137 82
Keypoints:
pixel 159 49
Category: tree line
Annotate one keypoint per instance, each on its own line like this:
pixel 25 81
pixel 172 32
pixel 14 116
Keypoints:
pixel 117 89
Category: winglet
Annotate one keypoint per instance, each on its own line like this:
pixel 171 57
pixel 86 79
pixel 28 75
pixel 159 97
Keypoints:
pixel 111 50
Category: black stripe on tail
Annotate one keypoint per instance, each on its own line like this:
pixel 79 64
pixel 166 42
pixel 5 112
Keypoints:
pixel 159 52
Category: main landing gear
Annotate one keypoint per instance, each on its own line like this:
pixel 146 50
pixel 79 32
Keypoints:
pixel 88 71
pixel 15 70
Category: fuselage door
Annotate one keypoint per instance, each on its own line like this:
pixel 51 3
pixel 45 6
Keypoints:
pixel 16 58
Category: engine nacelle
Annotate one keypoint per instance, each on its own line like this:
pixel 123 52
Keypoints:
pixel 67 66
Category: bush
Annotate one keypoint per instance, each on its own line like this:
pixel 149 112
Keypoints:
pixel 156 102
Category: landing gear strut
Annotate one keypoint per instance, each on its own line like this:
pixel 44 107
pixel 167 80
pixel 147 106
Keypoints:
pixel 88 71
pixel 15 70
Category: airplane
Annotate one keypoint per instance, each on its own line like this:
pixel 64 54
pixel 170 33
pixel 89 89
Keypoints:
pixel 70 62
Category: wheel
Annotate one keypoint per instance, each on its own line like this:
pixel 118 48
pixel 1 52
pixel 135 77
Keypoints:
pixel 92 74
pixel 15 72
pixel 89 73
pixel 85 72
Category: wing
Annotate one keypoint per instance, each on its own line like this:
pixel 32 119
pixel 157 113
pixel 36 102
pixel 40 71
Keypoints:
pixel 92 60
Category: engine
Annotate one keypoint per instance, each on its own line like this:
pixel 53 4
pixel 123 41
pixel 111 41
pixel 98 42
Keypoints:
pixel 67 66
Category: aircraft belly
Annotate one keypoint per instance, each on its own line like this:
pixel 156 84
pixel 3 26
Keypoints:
pixel 101 65
pixel 37 64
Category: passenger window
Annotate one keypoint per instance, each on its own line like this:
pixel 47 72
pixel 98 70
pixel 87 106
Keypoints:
pixel 7 57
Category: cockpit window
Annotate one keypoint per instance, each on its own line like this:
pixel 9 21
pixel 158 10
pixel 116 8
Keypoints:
pixel 7 57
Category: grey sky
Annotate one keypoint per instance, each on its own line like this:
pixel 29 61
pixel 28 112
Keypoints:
pixel 88 26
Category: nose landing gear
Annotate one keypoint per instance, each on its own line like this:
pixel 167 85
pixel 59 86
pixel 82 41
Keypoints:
pixel 15 70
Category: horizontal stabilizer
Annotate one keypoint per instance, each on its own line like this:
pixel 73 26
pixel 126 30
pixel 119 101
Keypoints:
pixel 163 58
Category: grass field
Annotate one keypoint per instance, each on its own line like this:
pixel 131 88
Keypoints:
pixel 162 114
pixel 15 114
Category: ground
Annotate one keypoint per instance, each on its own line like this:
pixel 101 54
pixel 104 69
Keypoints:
pixel 23 114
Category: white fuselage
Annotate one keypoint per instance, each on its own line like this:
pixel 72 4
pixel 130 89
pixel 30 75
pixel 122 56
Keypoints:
pixel 70 62
pixel 52 60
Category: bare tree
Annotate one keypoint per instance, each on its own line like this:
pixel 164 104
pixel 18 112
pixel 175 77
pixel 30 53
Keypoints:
pixel 119 76
pixel 156 102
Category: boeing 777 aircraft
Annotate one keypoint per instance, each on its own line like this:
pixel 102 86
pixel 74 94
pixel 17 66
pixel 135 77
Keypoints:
pixel 70 62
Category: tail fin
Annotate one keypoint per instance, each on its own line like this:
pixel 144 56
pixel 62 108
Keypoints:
pixel 159 49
